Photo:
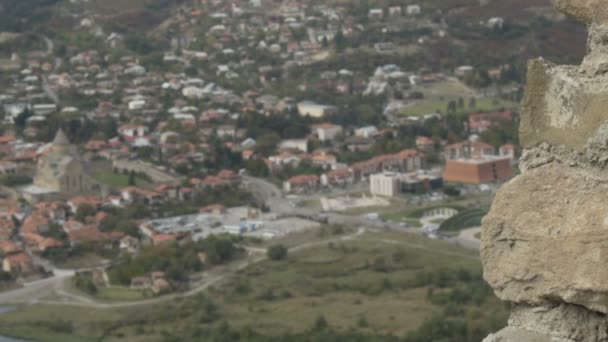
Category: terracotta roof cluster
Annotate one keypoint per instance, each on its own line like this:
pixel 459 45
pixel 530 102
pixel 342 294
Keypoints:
pixel 223 178
pixel 304 180
pixel 376 163
pixel 92 234
pixel 7 226
pixel 213 207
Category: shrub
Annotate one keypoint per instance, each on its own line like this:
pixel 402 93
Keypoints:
pixel 277 252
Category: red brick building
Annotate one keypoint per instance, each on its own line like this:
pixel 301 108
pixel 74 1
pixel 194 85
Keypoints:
pixel 478 171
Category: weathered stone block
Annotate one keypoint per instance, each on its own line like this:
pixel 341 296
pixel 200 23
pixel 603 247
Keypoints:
pixel 562 106
pixel 559 323
pixel 545 239
pixel 586 11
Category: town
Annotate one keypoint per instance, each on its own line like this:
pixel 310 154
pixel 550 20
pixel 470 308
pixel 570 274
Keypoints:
pixel 145 165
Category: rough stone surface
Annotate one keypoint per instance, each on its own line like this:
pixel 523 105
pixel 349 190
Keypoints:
pixel 561 323
pixel 512 334
pixel 544 243
pixel 561 106
pixel 545 240
pixel 586 11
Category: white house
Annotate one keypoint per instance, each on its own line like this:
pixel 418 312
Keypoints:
pixel 366 132
pixel 376 13
pixel 496 23
pixel 133 131
pixel 136 70
pixel 314 110
pixel 326 131
pixel 295 144
pixel 193 92
pixel 413 10
pixel 8 168
pixel 137 104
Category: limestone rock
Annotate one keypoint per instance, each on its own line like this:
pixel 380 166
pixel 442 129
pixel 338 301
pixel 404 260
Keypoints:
pixel 586 11
pixel 560 323
pixel 511 334
pixel 561 106
pixel 544 242
pixel 545 239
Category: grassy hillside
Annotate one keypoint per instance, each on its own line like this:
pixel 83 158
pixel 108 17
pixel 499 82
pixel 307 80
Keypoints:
pixel 378 287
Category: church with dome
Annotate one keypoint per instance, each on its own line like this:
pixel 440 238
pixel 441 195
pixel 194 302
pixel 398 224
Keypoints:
pixel 59 173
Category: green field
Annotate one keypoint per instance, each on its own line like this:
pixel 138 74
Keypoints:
pixel 376 284
pixel 438 95
pixel 401 217
pixel 119 294
pixel 118 180
pixel 463 220
pixel 434 105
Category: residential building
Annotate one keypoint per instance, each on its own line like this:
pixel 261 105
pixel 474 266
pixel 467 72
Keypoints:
pixel 8 168
pixel 425 144
pixel 294 144
pixel 301 183
pixel 315 110
pixel 326 131
pixel 366 132
pixel 133 130
pixel 479 122
pixel 468 150
pixel 338 177
pixel 413 10
pixel 404 161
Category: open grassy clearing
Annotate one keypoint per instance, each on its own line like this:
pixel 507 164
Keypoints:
pixel 378 283
pixel 344 281
pixel 400 217
pixel 118 180
pixel 463 220
pixel 121 294
pixel 438 95
pixel 440 104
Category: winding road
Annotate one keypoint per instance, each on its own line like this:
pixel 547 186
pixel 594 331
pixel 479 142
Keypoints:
pixel 468 239
pixel 39 291
pixel 53 290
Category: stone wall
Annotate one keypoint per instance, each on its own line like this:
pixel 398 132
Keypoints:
pixel 545 239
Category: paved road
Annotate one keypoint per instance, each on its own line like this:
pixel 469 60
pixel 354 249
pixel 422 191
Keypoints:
pixel 467 238
pixel 50 93
pixel 42 291
pixel 37 292
pixel 280 205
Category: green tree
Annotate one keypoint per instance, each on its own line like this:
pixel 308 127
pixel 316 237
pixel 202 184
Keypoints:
pixel 257 167
pixel 267 143
pixel 132 180
pixel 84 211
pixel 451 108
pixel 472 103
pixel 277 252
pixel 340 41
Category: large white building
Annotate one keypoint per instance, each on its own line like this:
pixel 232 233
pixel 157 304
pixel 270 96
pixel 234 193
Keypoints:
pixel 385 184
pixel 392 184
